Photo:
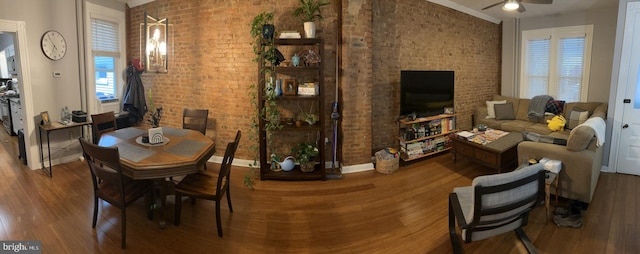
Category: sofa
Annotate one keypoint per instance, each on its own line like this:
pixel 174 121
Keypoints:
pixel 581 157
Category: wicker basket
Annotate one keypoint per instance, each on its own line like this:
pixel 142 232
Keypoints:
pixel 386 166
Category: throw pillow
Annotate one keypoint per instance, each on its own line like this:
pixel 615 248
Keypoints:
pixel 504 111
pixel 577 116
pixel 580 139
pixel 554 106
pixel 491 113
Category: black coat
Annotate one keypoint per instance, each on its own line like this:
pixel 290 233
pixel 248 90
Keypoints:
pixel 134 100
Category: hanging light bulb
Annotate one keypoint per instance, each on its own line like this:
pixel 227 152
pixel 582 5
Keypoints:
pixel 163 48
pixel 511 5
pixel 156 34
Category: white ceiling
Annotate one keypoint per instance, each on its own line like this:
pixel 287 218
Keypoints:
pixel 533 10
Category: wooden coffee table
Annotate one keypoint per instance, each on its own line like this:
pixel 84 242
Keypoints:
pixel 498 154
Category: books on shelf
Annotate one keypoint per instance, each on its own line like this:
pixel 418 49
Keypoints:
pixel 290 35
pixel 308 89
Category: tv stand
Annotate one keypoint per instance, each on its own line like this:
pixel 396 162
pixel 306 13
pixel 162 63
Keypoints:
pixel 429 113
pixel 425 136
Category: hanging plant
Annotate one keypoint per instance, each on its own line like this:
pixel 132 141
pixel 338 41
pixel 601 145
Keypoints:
pixel 262 33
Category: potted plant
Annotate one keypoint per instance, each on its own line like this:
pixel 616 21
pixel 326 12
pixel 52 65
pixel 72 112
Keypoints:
pixel 310 117
pixel 309 12
pixel 305 154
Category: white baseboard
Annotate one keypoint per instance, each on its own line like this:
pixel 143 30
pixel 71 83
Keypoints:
pixel 357 168
pixel 344 169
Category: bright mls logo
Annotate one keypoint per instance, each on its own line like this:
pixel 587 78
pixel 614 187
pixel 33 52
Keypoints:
pixel 31 247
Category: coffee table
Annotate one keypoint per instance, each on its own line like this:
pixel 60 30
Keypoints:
pixel 498 154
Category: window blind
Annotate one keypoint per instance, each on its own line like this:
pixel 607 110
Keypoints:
pixel 105 37
pixel 538 67
pixel 570 65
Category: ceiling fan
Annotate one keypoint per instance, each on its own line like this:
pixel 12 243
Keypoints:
pixel 510 5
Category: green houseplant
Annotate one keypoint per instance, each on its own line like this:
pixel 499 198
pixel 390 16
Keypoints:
pixel 308 12
pixel 262 34
pixel 305 154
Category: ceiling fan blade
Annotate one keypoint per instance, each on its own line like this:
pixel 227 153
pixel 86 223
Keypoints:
pixel 496 4
pixel 521 8
pixel 537 1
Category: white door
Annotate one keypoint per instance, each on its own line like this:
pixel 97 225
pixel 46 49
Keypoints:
pixel 628 160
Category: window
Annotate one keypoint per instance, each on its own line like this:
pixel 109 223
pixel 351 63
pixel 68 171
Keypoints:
pixel 105 52
pixel 556 62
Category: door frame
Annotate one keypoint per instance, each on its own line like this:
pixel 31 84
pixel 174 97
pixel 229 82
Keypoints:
pixel 617 93
pixel 26 100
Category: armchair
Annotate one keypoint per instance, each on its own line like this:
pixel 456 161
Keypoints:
pixel 495 204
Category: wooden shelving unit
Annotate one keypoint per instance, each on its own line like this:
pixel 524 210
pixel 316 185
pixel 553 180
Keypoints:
pixel 425 136
pixel 315 73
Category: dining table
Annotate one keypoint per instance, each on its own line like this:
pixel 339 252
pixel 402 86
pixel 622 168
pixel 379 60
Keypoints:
pixel 181 152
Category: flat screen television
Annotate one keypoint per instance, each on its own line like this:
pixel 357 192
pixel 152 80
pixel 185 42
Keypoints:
pixel 425 93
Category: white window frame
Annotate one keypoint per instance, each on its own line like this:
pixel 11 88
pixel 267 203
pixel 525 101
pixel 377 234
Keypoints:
pixel 555 34
pixel 118 17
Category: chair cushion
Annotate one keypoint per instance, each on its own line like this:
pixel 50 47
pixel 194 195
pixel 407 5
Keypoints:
pixel 503 198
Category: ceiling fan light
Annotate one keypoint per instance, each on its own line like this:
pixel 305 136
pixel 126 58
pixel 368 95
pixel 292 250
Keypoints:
pixel 511 5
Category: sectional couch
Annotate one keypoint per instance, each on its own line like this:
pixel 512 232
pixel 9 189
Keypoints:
pixel 581 157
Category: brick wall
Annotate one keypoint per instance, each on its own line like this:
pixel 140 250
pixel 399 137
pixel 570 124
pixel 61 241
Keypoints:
pixel 420 35
pixel 210 62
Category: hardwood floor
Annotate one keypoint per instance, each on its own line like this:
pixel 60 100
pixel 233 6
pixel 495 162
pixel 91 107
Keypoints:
pixel 405 212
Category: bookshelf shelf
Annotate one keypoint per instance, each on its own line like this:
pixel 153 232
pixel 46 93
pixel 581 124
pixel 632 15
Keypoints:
pixel 425 136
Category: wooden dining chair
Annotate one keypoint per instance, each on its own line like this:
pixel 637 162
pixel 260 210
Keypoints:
pixel 101 123
pixel 208 185
pixel 195 119
pixel 109 184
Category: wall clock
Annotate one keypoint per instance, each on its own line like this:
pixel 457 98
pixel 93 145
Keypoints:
pixel 53 45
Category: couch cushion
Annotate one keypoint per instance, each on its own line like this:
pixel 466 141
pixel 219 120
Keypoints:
pixel 588 106
pixel 523 110
pixel 538 128
pixel 576 117
pixel 580 139
pixel 600 111
pixel 515 125
pixel 491 113
pixel 491 123
pixel 504 111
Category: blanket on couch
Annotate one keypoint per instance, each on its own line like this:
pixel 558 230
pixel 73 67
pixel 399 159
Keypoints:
pixel 598 125
pixel 538 105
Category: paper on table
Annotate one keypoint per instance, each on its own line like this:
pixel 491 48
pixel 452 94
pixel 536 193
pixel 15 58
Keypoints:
pixel 466 134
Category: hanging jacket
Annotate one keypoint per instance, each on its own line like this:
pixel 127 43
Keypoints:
pixel 134 100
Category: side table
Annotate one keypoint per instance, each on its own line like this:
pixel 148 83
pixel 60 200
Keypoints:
pixel 54 126
pixel 551 178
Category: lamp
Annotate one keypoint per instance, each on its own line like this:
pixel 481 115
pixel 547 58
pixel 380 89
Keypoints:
pixel 511 5
pixel 155 33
